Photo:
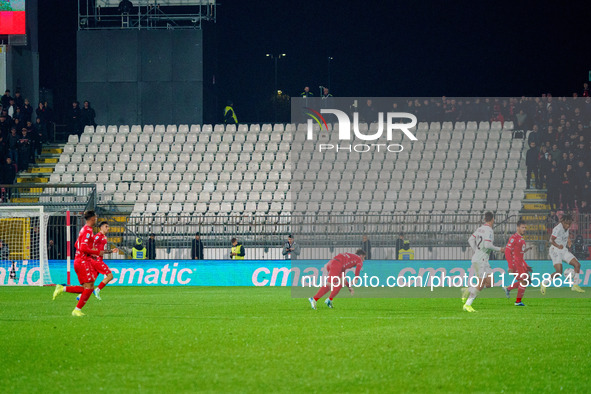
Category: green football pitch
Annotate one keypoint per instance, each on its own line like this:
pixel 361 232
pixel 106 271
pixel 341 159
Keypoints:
pixel 261 340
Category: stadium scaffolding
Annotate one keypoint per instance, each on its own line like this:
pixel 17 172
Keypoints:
pixel 145 14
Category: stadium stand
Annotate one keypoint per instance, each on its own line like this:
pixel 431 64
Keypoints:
pixel 169 170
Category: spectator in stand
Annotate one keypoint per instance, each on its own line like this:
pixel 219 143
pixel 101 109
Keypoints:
pixel 197 248
pixel 38 137
pixel 17 124
pixel 545 166
pixel 5 100
pixel 11 109
pixel 24 150
pixel 230 114
pixel 41 130
pixel 4 126
pixel 567 191
pixel 87 115
pixel 27 110
pixel 151 247
pixel 585 89
pixel 522 119
pixel 41 113
pixel 18 99
pixel 532 162
pixel 586 188
pixel 18 114
pixel 553 188
pixel 3 149
pixel 580 171
pixel 534 136
pixel 48 111
pixel 307 93
pixel 8 172
pixel 13 145
pixel 555 153
pixel 368 114
pixel 563 162
pixel 73 119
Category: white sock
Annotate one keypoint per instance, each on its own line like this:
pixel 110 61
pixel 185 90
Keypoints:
pixel 78 309
pixel 577 278
pixel 473 294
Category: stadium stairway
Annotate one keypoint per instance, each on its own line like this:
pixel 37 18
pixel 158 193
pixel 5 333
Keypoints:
pixel 44 165
pixel 39 172
pixel 534 212
pixel 117 230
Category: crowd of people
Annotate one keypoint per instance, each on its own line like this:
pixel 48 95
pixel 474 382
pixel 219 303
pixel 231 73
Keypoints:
pixel 559 154
pixel 23 131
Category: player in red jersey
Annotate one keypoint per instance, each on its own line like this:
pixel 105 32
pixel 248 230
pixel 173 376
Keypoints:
pixel 514 252
pixel 336 268
pixel 82 265
pixel 99 243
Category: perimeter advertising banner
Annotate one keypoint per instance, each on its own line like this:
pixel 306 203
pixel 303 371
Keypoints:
pixel 379 278
pixel 12 17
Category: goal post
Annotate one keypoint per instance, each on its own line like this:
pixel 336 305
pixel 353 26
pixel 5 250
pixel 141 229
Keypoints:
pixel 23 246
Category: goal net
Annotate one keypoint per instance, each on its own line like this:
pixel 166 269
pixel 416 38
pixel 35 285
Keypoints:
pixel 23 246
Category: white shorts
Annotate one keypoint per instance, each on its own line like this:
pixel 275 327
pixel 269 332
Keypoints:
pixel 481 268
pixel 560 255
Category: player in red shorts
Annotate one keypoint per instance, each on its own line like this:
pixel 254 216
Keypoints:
pixel 514 252
pixel 99 243
pixel 336 268
pixel 82 265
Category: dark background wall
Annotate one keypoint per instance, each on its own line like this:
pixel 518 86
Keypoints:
pixel 22 72
pixel 142 76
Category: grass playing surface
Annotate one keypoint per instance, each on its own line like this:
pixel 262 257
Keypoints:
pixel 262 340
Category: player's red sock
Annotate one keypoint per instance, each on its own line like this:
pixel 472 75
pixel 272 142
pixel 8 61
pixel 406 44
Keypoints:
pixel 334 292
pixel 73 289
pixel 520 293
pixel 321 292
pixel 83 298
pixel 101 285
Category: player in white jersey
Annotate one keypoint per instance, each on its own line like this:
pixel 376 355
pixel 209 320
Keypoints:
pixel 482 244
pixel 560 242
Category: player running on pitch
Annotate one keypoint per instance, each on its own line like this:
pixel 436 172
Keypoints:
pixel 481 241
pixel 560 242
pixel 82 265
pixel 99 243
pixel 514 252
pixel 336 268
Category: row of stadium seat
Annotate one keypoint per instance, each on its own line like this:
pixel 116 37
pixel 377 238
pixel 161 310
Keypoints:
pixel 208 128
pixel 437 157
pixel 324 207
pixel 434 169
pixel 421 180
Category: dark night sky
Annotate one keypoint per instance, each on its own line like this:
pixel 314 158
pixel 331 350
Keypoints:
pixel 380 48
